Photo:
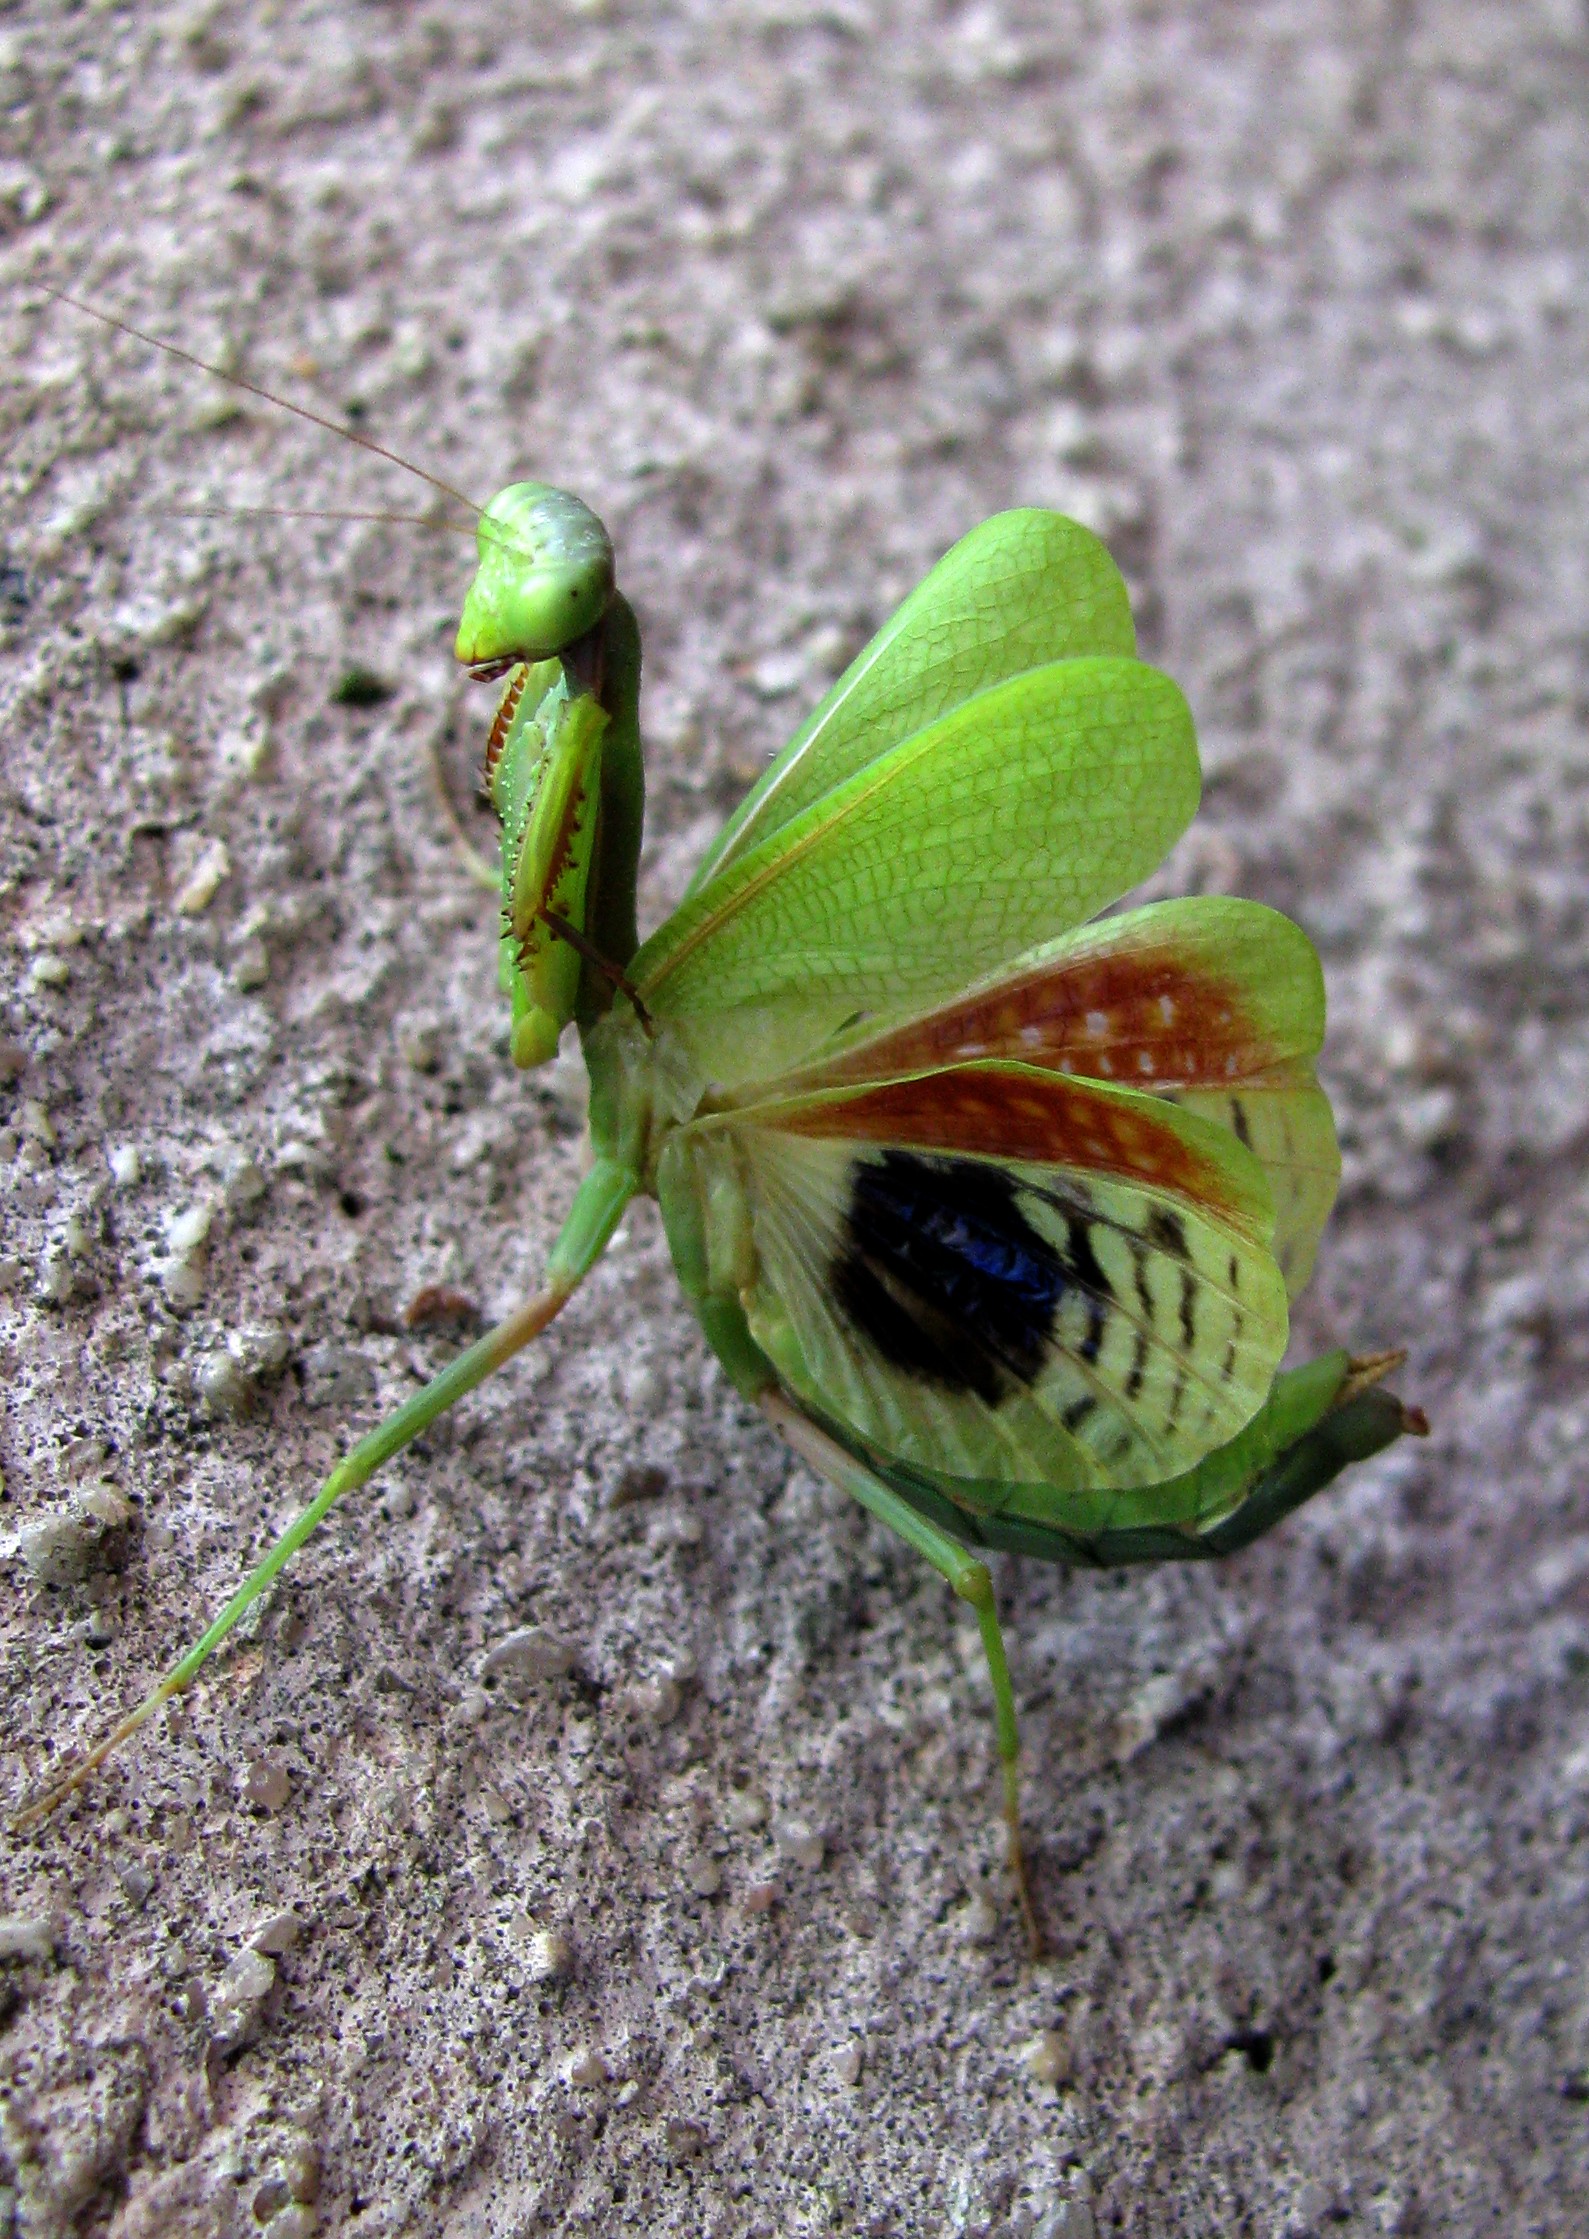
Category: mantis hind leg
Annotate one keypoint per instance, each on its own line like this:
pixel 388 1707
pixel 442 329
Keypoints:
pixel 970 1580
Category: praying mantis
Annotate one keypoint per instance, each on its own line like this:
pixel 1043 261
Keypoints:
pixel 992 1205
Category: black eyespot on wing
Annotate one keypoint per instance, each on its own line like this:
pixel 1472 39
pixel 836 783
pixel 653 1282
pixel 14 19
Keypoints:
pixel 943 1272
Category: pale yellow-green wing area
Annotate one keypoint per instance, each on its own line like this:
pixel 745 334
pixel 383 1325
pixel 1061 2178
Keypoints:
pixel 1289 1127
pixel 1212 1001
pixel 1007 821
pixel 1096 1307
pixel 1025 588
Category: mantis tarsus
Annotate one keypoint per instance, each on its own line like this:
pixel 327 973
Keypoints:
pixel 994 1212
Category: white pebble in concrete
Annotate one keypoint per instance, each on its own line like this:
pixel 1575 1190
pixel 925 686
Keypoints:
pixel 549 1956
pixel 281 1932
pixel 800 1842
pixel 235 2009
pixel 530 1653
pixel 24 1936
pixel 1046 2057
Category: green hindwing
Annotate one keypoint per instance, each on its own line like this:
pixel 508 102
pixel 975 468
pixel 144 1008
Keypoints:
pixel 1006 1317
pixel 1211 1002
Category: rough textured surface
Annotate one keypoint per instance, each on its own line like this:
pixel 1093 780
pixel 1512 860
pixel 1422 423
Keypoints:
pixel 704 1933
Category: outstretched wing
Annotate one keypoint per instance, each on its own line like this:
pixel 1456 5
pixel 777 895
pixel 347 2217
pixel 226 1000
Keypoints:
pixel 1005 822
pixel 1004 1274
pixel 1025 588
pixel 1214 1003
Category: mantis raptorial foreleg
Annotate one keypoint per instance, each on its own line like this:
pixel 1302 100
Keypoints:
pixel 970 1579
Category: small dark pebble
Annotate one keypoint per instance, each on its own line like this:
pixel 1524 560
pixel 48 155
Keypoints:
pixel 301 2164
pixel 335 1376
pixel 439 1307
pixel 15 594
pixel 272 2196
pixel 360 687
pixel 640 1481
pixel 137 1881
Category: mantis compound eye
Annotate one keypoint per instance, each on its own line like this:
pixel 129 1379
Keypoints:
pixel 545 577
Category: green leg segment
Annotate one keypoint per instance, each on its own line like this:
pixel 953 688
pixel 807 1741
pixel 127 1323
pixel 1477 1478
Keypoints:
pixel 969 1578
pixel 594 1215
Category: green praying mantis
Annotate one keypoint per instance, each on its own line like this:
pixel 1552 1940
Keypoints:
pixel 993 1206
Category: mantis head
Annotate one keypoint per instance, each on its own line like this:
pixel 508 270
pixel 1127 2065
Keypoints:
pixel 545 577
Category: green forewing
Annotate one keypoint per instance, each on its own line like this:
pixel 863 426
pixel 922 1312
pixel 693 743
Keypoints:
pixel 1003 823
pixel 1026 588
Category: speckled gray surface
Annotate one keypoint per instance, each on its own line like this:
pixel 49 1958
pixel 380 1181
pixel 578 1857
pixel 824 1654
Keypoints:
pixel 1286 296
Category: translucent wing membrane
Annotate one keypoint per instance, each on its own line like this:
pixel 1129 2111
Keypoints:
pixel 1007 1275
pixel 1288 1126
pixel 1214 1003
pixel 1005 822
pixel 1024 589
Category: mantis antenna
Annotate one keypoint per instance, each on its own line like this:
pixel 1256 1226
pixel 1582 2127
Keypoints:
pixel 308 513
pixel 268 396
